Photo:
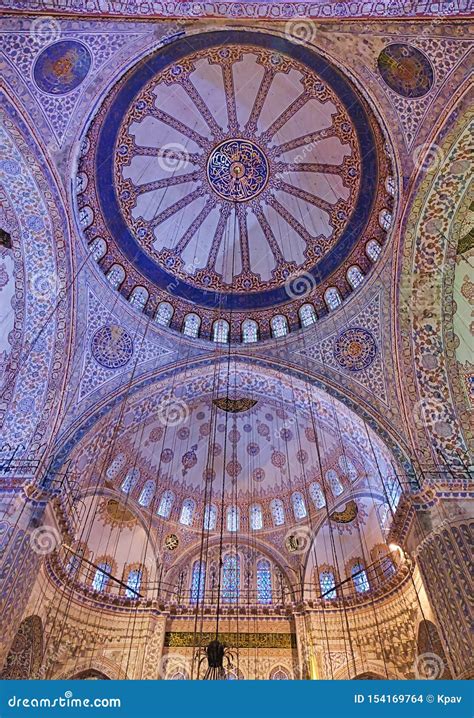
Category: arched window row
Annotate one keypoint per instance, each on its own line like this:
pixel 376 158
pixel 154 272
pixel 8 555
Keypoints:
pixel 362 579
pixel 262 583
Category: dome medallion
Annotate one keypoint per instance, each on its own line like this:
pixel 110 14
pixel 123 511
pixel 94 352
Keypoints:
pixel 237 170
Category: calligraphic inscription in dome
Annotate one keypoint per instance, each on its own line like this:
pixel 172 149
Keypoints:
pixel 406 70
pixel 237 170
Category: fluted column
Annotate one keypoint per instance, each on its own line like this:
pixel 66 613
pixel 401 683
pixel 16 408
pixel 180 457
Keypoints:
pixel 444 557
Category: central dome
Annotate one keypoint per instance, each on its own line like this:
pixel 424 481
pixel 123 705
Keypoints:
pixel 240 162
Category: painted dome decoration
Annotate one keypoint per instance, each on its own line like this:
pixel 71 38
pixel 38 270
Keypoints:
pixel 247 196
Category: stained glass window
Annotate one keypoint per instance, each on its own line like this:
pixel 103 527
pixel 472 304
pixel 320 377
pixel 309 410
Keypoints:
pixel 210 517
pixel 390 186
pixel 279 325
pixel 187 512
pixel 307 315
pixel 373 250
pixel 249 331
pixel 98 248
pixel 198 581
pixel 332 298
pixel 138 298
pixel 264 581
pixel 117 464
pixel 355 277
pixel 299 506
pixel 166 504
pixel 334 483
pixel 231 578
pixel 348 468
pixel 220 331
pixel 256 517
pixel 359 578
pixel 130 480
pixel 387 566
pixel 133 582
pixel 327 585
pixel 100 578
pixel 191 325
pixel 385 219
pixel 278 512
pixel 164 314
pixel 116 275
pixel 75 561
pixel 317 495
pixel 147 493
pixel 233 518
pixel 393 491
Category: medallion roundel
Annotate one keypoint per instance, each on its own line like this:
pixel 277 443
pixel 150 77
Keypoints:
pixel 237 170
pixel 355 349
pixel 112 346
pixel 61 67
pixel 406 70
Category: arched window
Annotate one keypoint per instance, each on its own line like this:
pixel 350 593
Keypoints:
pixel 134 580
pixel 233 518
pixel 393 491
pixel 117 464
pixel 166 504
pixel 385 219
pixel 264 581
pixel 164 314
pixel 191 325
pixel 249 331
pixel 100 579
pixel 198 581
pixel 130 480
pixel 138 298
pixel 220 331
pixel 116 275
pixel 187 512
pixel 299 506
pixel 307 314
pixel 354 276
pixel 231 578
pixel 373 250
pixel 86 217
pixel 279 326
pixel 81 182
pixel 210 517
pixel 359 578
pixel 256 517
pixel 278 512
pixel 98 248
pixel 327 585
pixel 348 468
pixel 147 493
pixel 317 495
pixel 279 674
pixel 334 483
pixel 390 186
pixel 332 298
pixel 75 560
pixel 387 566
